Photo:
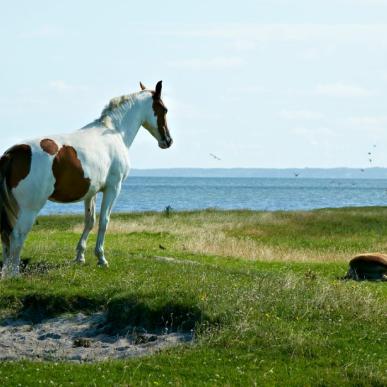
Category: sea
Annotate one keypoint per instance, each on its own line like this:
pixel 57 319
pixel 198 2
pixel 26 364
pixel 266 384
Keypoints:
pixel 155 193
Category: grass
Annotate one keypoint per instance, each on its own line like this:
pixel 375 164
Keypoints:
pixel 260 291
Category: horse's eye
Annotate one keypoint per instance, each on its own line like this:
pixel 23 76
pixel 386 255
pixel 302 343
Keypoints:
pixel 165 110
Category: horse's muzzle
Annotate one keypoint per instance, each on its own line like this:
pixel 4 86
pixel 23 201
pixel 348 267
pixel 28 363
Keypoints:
pixel 165 144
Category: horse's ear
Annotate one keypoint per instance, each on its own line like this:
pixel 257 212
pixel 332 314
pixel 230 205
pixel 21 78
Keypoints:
pixel 142 86
pixel 158 89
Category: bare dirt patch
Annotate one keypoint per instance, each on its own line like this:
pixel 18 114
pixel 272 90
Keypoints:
pixel 79 338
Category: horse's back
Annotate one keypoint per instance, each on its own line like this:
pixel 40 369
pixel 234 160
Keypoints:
pixel 67 168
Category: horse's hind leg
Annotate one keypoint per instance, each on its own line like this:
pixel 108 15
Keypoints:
pixel 89 224
pixel 19 233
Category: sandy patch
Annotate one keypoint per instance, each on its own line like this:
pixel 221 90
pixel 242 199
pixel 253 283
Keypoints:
pixel 79 338
pixel 175 260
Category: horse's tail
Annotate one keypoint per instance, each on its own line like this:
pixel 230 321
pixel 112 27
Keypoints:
pixel 9 207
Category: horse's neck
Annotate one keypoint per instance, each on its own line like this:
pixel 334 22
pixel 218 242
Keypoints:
pixel 125 120
pixel 129 127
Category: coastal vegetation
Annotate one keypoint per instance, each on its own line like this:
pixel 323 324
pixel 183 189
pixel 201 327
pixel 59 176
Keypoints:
pixel 261 292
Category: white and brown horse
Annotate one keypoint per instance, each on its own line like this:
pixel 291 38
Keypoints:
pixel 75 167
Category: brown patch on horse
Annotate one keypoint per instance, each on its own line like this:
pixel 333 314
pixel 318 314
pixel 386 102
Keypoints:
pixel 369 266
pixel 18 159
pixel 160 112
pixel 15 165
pixel 49 146
pixel 70 181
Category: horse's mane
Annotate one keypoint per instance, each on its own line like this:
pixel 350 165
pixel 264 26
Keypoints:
pixel 117 102
pixel 114 105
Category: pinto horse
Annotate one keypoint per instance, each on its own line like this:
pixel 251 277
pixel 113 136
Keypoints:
pixel 75 167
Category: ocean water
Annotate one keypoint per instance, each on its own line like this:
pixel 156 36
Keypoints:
pixel 191 193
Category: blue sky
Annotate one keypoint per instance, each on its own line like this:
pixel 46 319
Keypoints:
pixel 271 83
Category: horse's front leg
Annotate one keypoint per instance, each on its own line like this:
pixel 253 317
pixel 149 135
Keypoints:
pixel 89 224
pixel 109 196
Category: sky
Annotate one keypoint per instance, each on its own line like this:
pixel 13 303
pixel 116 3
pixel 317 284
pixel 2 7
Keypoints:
pixel 263 84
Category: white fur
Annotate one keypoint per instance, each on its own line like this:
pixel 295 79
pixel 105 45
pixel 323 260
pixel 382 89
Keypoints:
pixel 102 147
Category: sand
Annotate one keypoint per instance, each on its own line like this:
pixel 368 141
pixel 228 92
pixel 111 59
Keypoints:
pixel 78 338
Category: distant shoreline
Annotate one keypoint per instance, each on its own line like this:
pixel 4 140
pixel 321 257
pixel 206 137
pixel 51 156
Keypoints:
pixel 314 173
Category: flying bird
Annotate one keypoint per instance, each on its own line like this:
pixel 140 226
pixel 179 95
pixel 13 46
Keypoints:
pixel 296 174
pixel 215 157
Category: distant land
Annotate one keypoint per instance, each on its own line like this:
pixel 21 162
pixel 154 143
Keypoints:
pixel 311 173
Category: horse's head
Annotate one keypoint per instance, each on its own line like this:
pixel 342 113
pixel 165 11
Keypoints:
pixel 156 118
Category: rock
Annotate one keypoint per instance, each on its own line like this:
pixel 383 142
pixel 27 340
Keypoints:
pixel 45 336
pixel 82 342
pixel 144 338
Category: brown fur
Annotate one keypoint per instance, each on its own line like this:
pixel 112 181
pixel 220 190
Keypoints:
pixel 20 166
pixel 15 165
pixel 49 146
pixel 160 112
pixel 70 181
pixel 369 266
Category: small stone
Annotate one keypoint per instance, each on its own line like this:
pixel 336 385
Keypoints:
pixel 122 348
pixel 143 339
pixel 54 336
pixel 82 342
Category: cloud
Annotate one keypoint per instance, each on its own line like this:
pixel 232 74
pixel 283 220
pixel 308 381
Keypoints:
pixel 62 86
pixel 319 52
pixel 368 3
pixel 300 115
pixel 368 120
pixel 315 131
pixel 46 31
pixel 181 109
pixel 343 90
pixel 244 44
pixel 250 34
pixel 215 63
pixel 249 89
pixel 315 136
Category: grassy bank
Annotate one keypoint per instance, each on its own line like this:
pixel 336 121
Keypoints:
pixel 260 290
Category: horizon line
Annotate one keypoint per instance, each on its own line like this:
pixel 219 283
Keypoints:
pixel 265 168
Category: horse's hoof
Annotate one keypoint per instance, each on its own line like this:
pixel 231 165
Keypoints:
pixel 79 261
pixel 104 263
pixel 10 274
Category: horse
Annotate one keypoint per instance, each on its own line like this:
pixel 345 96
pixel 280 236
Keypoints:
pixel 368 266
pixel 75 167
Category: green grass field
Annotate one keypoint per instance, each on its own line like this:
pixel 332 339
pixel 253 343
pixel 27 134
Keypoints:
pixel 265 300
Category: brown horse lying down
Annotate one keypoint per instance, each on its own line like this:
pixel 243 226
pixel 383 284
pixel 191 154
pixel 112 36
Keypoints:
pixel 369 266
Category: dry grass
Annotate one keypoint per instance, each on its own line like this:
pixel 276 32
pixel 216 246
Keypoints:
pixel 210 242
pixel 226 234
